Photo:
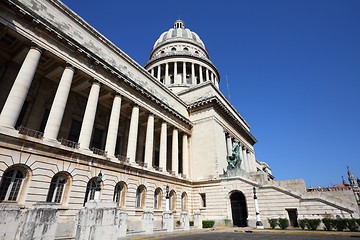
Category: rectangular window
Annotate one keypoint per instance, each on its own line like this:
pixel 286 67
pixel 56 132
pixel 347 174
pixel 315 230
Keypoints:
pixel 202 200
pixel 44 120
pixel 97 138
pixel 74 131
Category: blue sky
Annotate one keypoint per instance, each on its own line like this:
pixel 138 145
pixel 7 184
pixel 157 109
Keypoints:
pixel 293 69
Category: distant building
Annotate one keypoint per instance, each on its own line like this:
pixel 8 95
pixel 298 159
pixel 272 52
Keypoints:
pixel 74 105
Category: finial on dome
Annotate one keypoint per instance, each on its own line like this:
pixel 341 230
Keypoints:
pixel 179 24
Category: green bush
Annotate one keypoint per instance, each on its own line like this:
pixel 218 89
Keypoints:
pixel 273 222
pixel 327 223
pixel 283 223
pixel 302 223
pixel 351 224
pixel 208 223
pixel 339 224
pixel 358 221
pixel 312 224
pixel 191 223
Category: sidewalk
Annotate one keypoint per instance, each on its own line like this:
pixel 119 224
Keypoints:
pixel 240 230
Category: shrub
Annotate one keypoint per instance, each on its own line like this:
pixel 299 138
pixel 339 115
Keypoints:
pixel 208 223
pixel 273 222
pixel 351 224
pixel 283 223
pixel 191 223
pixel 312 224
pixel 339 224
pixel 302 223
pixel 358 221
pixel 327 223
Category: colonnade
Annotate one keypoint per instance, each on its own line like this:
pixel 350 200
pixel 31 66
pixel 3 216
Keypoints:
pixel 246 155
pixel 18 93
pixel 182 73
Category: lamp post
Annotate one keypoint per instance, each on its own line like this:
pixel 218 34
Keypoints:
pixel 259 224
pixel 167 202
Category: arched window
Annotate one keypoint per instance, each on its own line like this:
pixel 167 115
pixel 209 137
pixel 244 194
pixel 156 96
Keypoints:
pixel 120 194
pixel 173 49
pixel 172 196
pixel 140 196
pixel 57 188
pixel 162 52
pixel 90 190
pixel 186 49
pixel 197 52
pixel 11 183
pixel 184 201
pixel 157 198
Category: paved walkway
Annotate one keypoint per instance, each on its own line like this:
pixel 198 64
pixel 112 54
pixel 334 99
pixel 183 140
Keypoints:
pixel 248 233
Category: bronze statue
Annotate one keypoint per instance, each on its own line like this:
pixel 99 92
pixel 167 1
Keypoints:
pixel 234 160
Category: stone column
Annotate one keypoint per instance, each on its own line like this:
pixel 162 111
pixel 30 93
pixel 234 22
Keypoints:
pixel 229 145
pixel 166 80
pixel 16 98
pixel 175 73
pixel 133 134
pixel 163 147
pixel 175 152
pixel 58 107
pixel 149 141
pixel 184 72
pixel 185 155
pixel 200 73
pixel 89 116
pixel 253 161
pixel 152 72
pixel 113 126
pixel 193 73
pixel 207 75
pixel 159 71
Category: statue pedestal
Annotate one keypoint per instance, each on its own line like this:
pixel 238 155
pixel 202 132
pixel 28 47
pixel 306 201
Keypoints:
pixel 197 220
pixel 168 221
pixel 101 220
pixel 184 221
pixel 147 222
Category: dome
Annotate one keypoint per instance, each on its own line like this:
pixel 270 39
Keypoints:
pixel 180 61
pixel 179 33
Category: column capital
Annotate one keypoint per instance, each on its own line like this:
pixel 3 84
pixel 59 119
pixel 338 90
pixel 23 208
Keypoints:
pixel 68 65
pixel 36 46
pixel 95 81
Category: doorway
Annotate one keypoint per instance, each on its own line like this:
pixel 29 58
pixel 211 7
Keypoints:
pixel 239 209
pixel 292 212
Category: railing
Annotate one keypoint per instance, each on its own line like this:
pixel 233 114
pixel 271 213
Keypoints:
pixel 100 152
pixel 122 159
pixel 30 132
pixel 69 143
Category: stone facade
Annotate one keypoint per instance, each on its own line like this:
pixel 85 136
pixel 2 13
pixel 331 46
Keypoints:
pixel 73 106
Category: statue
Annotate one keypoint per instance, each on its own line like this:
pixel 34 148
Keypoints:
pixel 234 159
pixel 98 182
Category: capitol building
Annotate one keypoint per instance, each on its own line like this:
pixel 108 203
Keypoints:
pixel 82 123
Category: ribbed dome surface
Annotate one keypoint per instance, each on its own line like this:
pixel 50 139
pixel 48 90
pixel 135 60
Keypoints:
pixel 179 33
